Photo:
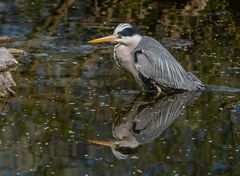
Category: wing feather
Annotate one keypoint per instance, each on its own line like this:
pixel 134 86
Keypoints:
pixel 156 63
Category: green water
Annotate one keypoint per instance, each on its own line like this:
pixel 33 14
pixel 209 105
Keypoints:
pixel 69 92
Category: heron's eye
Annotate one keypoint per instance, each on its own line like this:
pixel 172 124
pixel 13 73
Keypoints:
pixel 119 36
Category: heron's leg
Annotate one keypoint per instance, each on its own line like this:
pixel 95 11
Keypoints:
pixel 159 90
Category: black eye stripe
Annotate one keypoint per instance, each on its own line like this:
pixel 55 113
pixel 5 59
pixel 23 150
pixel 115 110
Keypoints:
pixel 128 32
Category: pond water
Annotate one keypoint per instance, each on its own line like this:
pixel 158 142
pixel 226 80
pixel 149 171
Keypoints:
pixel 73 103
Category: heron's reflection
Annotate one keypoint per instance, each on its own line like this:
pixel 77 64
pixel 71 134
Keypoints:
pixel 145 122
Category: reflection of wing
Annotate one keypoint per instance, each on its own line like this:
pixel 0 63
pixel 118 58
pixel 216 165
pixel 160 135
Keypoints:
pixel 148 120
pixel 154 62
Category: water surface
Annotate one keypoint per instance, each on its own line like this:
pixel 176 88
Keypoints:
pixel 69 92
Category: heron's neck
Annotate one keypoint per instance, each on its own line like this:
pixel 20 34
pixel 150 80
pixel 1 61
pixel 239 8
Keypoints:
pixel 123 51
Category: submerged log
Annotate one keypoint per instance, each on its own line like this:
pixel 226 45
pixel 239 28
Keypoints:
pixel 7 63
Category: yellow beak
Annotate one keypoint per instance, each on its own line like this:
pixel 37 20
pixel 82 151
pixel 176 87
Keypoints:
pixel 110 38
pixel 105 143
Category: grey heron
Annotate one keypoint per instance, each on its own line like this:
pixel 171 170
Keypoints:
pixel 153 67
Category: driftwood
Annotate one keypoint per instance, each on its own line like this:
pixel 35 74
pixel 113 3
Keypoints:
pixel 5 39
pixel 7 63
pixel 15 51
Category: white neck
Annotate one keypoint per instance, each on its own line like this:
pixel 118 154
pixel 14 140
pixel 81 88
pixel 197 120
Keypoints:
pixel 130 42
pixel 134 41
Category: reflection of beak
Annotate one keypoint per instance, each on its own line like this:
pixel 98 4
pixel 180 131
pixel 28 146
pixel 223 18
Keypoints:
pixel 105 143
pixel 110 38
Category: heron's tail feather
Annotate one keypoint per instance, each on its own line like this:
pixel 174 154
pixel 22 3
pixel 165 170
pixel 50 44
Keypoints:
pixel 198 83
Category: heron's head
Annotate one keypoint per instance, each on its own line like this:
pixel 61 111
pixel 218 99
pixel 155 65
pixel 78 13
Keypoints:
pixel 124 33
